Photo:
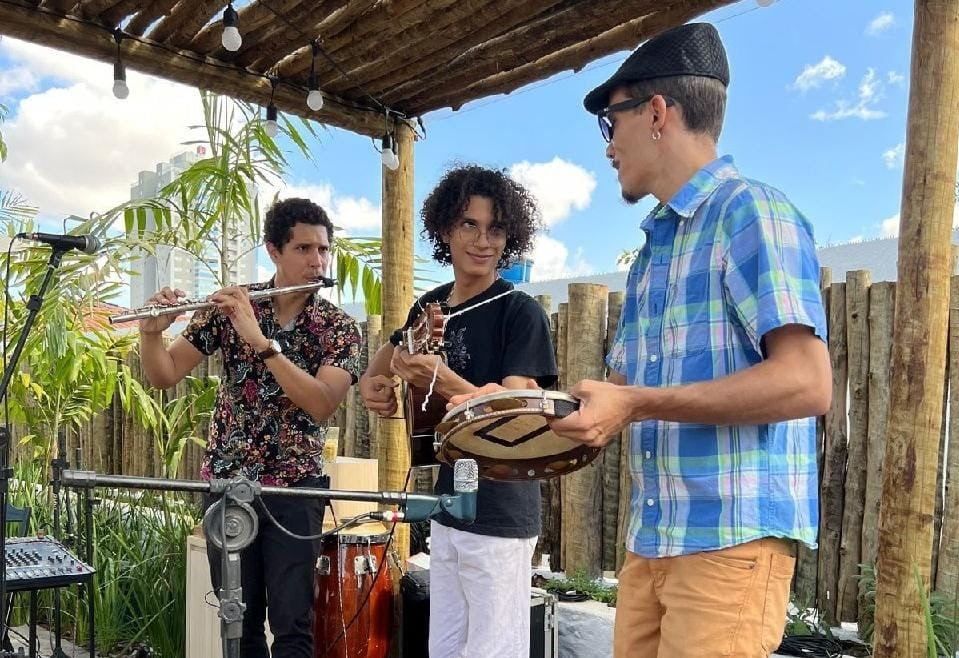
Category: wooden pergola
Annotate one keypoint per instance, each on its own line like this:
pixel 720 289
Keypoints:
pixel 382 63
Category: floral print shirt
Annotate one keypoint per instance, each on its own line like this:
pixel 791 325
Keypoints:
pixel 256 431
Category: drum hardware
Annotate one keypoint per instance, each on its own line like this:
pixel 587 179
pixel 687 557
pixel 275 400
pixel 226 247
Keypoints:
pixel 323 565
pixel 156 310
pixel 363 564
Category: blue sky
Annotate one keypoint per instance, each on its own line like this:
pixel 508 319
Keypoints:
pixel 817 106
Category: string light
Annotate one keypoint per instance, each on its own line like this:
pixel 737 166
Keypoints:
pixel 314 99
pixel 270 127
pixel 764 3
pixel 388 155
pixel 231 38
pixel 120 89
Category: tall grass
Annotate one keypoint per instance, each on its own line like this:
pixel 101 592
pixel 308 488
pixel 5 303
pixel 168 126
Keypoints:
pixel 140 557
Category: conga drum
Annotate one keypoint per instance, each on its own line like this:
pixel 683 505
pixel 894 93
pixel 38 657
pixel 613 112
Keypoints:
pixel 353 610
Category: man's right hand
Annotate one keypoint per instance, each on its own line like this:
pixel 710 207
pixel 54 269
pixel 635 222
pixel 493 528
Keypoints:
pixel 161 323
pixel 379 394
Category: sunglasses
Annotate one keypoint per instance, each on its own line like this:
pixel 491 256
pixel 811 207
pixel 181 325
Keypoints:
pixel 606 126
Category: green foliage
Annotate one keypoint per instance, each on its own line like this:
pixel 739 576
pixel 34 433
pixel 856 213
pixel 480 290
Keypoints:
pixel 218 196
pixel 3 144
pixel 627 256
pixel 580 582
pixel 140 558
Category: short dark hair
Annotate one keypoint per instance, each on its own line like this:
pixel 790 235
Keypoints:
pixel 283 215
pixel 513 207
pixel 701 100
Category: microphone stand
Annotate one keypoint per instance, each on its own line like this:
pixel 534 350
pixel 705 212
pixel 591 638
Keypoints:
pixel 231 524
pixel 33 307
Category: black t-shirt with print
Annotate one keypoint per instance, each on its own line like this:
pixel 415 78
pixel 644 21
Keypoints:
pixel 507 336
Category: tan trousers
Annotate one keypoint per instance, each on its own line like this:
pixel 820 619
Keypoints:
pixel 730 602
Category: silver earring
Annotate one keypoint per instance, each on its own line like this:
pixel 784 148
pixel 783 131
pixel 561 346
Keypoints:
pixel 656 135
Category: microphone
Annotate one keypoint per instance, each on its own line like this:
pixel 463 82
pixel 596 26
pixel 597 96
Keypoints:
pixel 88 244
pixel 460 505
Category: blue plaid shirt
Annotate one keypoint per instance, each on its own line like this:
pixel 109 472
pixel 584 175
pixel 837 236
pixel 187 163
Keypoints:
pixel 726 260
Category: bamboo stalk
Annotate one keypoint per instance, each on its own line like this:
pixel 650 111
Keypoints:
pixel 947 574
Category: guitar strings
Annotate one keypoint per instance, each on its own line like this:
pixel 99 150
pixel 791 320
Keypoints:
pixel 436 366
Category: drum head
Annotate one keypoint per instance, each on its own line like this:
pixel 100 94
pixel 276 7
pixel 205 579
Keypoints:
pixel 508 435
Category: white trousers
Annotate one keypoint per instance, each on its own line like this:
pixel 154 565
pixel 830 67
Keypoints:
pixel 479 594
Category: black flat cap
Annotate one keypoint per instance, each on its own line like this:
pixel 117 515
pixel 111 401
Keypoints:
pixel 692 49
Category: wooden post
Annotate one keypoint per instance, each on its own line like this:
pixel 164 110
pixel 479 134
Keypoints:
pixel 397 296
pixel 834 459
pixel 922 299
pixel 947 575
pixel 583 490
pixel 543 542
pixel 558 562
pixel 612 468
pixel 882 304
pixel 850 546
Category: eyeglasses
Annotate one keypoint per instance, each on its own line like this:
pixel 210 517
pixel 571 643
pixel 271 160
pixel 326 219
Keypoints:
pixel 606 126
pixel 470 232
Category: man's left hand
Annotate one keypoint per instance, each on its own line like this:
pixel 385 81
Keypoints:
pixel 234 303
pixel 604 410
pixel 417 369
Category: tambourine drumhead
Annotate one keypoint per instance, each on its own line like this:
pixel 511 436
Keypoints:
pixel 508 435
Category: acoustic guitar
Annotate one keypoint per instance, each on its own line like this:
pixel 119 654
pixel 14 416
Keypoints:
pixel 425 336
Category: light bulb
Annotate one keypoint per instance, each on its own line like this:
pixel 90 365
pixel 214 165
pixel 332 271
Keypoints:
pixel 390 160
pixel 314 100
pixel 120 89
pixel 764 3
pixel 271 128
pixel 231 39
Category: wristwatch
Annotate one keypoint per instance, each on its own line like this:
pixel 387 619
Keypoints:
pixel 272 350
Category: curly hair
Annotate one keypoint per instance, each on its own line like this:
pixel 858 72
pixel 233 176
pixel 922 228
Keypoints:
pixel 513 207
pixel 283 215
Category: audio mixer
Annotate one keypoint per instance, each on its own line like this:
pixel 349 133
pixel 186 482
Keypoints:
pixel 41 562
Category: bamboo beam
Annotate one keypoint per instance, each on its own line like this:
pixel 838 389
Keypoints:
pixel 922 299
pixel 542 542
pixel 850 546
pixel 251 20
pixel 558 563
pixel 47 29
pixel 62 7
pixel 834 459
pixel 500 65
pixel 449 33
pixel 91 9
pixel 186 18
pixel 115 14
pixel 947 575
pixel 882 304
pixel 394 447
pixel 583 490
pixel 276 40
pixel 378 17
pixel 145 18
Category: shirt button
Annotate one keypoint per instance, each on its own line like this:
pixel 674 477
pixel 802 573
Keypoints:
pixel 648 454
pixel 650 502
pixel 653 358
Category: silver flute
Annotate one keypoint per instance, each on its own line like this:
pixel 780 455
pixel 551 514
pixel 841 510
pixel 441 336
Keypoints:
pixel 156 310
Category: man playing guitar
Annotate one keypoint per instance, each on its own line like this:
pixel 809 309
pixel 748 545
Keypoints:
pixel 477 220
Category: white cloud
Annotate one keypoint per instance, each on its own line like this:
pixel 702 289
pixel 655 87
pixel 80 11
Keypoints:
pixel 73 147
pixel 352 214
pixel 551 260
pixel 893 157
pixel 815 74
pixel 880 24
pixel 869 94
pixel 558 186
pixel 895 78
pixel 16 79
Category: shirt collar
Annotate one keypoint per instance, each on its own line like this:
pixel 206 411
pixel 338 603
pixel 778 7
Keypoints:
pixel 697 189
